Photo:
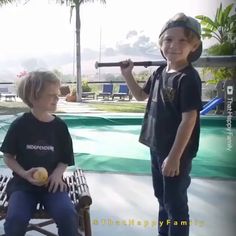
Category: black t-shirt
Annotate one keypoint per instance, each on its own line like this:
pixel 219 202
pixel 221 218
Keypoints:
pixel 170 94
pixel 37 144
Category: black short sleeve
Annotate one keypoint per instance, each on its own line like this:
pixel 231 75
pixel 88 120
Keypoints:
pixel 66 153
pixel 9 144
pixel 147 86
pixel 190 94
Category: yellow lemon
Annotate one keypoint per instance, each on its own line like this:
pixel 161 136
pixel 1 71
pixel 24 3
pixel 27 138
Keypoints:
pixel 41 174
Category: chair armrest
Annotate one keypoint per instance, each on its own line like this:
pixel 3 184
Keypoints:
pixel 3 195
pixel 78 189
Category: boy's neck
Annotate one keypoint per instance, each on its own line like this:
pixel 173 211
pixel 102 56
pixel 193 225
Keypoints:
pixel 42 116
pixel 175 67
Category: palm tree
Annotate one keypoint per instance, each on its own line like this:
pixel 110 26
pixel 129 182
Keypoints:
pixel 74 4
pixel 222 28
pixel 3 2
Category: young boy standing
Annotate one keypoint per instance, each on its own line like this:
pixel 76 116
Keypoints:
pixel 34 140
pixel 171 122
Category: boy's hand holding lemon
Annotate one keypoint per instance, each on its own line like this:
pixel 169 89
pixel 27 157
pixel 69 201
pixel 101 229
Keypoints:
pixel 40 175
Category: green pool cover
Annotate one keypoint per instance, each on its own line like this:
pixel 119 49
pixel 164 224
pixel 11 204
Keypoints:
pixel 111 144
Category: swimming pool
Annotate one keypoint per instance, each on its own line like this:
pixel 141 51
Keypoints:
pixel 110 143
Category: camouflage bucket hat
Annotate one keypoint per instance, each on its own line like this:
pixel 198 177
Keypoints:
pixel 188 23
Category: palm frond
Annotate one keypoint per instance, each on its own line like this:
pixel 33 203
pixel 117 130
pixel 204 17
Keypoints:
pixel 5 2
pixel 218 15
pixel 71 12
pixel 232 23
pixel 207 30
pixel 228 9
pixel 205 20
pixel 206 35
pixel 75 2
pixel 66 2
pixel 92 1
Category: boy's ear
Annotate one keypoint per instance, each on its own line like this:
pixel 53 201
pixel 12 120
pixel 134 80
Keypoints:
pixel 195 52
pixel 195 46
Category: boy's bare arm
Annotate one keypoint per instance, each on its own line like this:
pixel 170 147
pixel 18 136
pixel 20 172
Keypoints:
pixel 184 133
pixel 11 162
pixel 136 90
pixel 60 169
pixel 55 179
pixel 171 164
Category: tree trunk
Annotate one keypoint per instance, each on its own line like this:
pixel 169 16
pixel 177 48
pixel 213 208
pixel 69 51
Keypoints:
pixel 78 55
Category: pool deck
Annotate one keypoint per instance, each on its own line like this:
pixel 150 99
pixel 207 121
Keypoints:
pixel 125 205
pixel 129 199
pixel 74 107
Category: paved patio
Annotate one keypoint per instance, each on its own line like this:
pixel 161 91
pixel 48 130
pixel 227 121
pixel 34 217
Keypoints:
pixel 125 205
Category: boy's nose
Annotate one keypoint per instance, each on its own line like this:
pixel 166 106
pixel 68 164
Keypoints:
pixel 174 44
pixel 56 98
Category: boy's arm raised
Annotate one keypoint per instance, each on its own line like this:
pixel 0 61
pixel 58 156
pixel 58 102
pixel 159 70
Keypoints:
pixel 136 90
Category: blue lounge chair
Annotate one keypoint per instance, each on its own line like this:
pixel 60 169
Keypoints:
pixel 9 96
pixel 107 91
pixel 123 92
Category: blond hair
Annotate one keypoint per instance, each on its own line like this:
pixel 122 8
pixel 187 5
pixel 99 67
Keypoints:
pixel 31 86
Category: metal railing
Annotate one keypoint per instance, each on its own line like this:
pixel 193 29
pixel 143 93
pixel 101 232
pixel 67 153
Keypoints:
pixel 204 61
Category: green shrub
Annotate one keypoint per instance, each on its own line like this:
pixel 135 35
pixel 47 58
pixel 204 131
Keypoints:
pixel 225 48
pixel 85 86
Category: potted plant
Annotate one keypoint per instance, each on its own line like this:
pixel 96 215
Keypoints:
pixel 223 29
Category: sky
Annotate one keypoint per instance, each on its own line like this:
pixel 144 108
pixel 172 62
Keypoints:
pixel 39 34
